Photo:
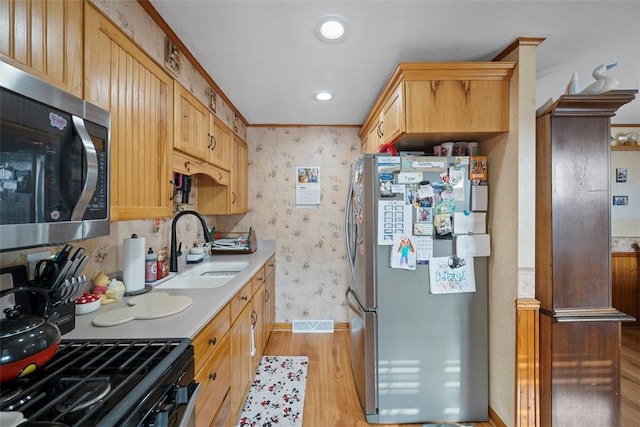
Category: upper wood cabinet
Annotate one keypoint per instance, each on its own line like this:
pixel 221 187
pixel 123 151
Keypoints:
pixel 215 199
pixel 220 145
pixel 199 132
pixel 191 124
pixel 44 38
pixel 432 102
pixel 121 78
pixel 239 177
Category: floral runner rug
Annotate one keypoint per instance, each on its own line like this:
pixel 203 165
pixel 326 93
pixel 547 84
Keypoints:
pixel 276 395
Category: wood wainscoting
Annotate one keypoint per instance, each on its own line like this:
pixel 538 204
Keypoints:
pixel 527 375
pixel 625 284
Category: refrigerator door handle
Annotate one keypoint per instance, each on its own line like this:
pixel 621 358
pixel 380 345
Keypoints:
pixel 347 227
pixel 357 307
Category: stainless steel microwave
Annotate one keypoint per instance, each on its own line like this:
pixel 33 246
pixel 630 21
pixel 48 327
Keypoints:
pixel 54 164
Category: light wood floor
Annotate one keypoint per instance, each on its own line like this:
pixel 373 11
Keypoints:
pixel 629 377
pixel 330 396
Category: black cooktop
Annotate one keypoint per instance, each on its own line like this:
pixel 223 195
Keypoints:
pixel 90 381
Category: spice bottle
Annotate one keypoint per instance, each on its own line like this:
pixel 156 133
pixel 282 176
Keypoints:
pixel 150 267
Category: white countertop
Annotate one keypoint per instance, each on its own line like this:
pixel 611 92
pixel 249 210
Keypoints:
pixel 186 324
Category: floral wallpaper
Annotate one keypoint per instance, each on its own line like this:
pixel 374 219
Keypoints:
pixel 311 265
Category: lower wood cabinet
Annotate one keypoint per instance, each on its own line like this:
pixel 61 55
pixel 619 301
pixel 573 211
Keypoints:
pixel 240 359
pixel 269 297
pixel 258 326
pixel 224 360
pixel 212 365
pixel 215 379
pixel 223 417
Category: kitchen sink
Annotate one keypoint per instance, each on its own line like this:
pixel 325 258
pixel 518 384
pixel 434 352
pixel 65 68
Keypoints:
pixel 207 275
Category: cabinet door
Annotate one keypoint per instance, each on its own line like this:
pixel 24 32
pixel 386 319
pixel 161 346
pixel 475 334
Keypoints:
pixel 139 94
pixel 269 299
pixel 257 321
pixel 240 359
pixel 191 124
pixel 44 38
pixel 215 379
pixel 374 138
pixel 393 116
pixel 457 106
pixel 223 417
pixel 220 149
pixel 239 178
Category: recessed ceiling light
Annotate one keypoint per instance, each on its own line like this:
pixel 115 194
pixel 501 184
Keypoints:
pixel 323 95
pixel 331 28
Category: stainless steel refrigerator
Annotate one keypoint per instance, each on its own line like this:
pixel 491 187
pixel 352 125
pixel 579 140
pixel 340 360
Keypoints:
pixel 416 357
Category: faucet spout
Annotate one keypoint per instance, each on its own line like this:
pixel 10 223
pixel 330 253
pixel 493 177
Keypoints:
pixel 173 256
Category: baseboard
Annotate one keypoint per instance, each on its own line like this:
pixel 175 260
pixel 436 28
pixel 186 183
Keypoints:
pixel 495 419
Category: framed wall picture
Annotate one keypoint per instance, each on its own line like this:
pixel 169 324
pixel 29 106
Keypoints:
pixel 621 175
pixel 620 200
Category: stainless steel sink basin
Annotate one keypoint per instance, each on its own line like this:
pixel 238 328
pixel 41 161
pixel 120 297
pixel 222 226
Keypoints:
pixel 207 275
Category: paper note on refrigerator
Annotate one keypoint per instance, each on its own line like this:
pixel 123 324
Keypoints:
pixel 394 218
pixel 473 245
pixel 469 222
pixel 403 252
pixel 451 275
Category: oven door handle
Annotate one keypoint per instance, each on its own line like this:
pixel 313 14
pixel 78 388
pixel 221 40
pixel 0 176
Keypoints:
pixel 189 416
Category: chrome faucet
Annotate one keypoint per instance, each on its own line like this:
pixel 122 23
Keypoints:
pixel 173 256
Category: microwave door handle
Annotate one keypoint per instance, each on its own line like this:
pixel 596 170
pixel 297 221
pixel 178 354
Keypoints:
pixel 91 179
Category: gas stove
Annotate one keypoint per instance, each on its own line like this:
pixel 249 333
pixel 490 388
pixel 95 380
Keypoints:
pixel 108 383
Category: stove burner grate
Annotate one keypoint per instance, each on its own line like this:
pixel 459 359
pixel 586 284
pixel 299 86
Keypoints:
pixel 82 393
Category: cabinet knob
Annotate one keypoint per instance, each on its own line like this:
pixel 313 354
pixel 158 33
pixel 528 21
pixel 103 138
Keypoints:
pixel 244 298
pixel 186 165
pixel 213 376
pixel 233 197
pixel 213 341
pixel 267 296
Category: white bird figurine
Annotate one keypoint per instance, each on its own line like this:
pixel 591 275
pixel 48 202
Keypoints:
pixel 603 83
pixel 573 87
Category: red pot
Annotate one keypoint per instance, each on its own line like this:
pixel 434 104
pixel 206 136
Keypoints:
pixel 27 341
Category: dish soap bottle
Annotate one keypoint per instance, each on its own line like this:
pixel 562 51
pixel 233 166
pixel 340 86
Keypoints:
pixel 150 267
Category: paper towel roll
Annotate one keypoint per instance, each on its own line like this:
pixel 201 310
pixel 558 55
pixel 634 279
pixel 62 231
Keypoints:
pixel 133 263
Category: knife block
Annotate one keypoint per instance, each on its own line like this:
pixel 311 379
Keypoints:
pixel 66 319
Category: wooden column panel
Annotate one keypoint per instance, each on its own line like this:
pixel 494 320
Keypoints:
pixel 579 373
pixel 579 327
pixel 580 213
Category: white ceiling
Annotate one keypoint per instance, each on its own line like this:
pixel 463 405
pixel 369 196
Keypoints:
pixel 265 56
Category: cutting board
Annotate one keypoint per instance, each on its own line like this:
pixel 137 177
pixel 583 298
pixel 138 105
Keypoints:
pixel 142 307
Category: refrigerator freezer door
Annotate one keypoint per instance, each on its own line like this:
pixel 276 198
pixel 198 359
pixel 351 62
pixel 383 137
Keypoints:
pixel 363 365
pixel 432 349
